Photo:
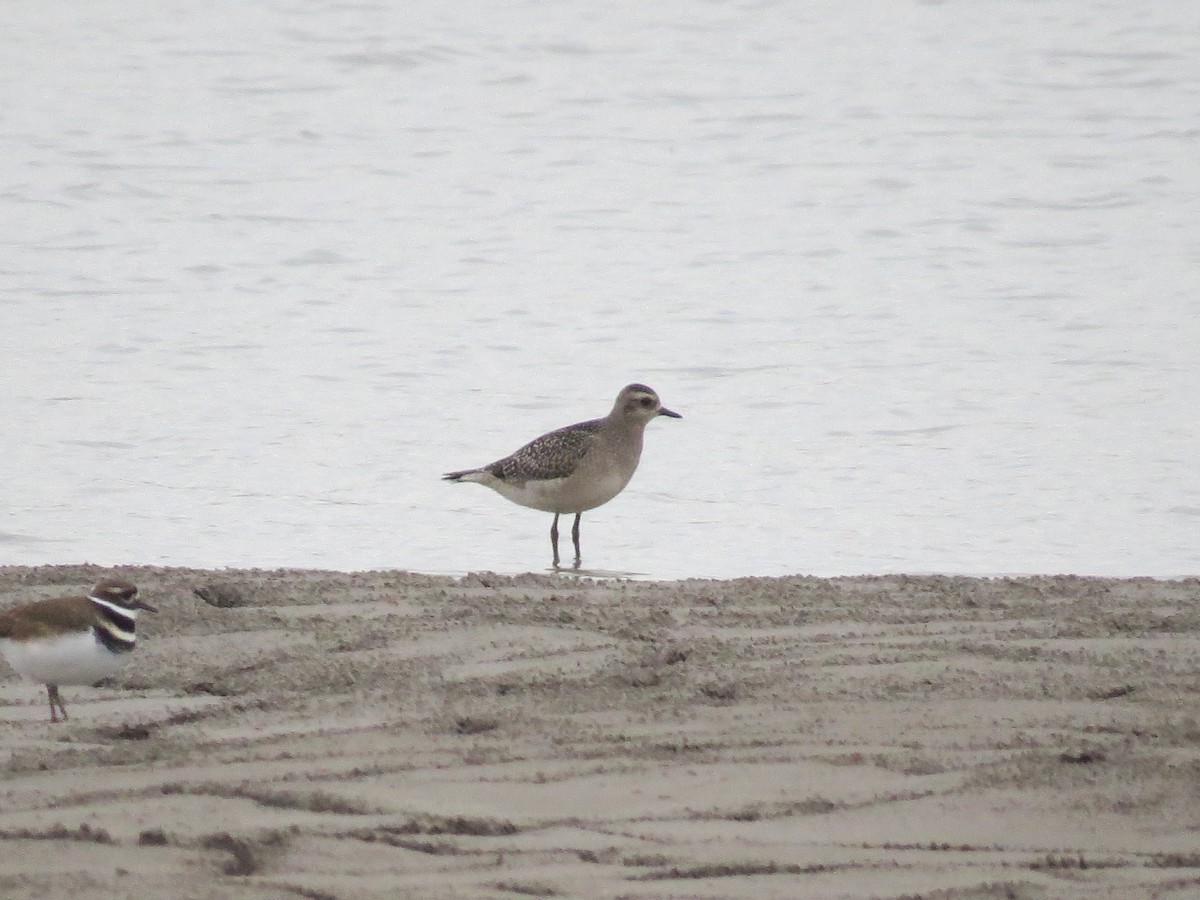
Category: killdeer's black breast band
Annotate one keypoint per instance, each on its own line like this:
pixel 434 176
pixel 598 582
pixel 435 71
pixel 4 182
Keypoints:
pixel 114 641
pixel 116 628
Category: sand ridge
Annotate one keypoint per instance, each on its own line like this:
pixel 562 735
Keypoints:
pixel 294 733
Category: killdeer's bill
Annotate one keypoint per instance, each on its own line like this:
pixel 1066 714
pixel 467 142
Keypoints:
pixel 72 640
pixel 576 468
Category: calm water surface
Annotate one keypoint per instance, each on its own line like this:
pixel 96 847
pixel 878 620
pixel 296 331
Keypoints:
pixel 921 278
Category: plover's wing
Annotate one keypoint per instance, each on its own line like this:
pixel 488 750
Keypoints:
pixel 553 455
pixel 47 618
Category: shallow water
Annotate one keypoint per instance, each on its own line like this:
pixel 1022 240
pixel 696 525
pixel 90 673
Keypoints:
pixel 920 278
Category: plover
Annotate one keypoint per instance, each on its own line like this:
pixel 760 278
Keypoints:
pixel 577 468
pixel 72 640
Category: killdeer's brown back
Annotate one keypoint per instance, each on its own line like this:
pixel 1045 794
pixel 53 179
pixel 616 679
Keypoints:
pixel 47 618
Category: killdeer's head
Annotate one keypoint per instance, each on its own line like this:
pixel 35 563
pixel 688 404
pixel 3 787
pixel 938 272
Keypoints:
pixel 640 404
pixel 120 593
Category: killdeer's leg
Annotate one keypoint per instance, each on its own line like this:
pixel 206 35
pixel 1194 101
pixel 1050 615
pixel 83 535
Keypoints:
pixel 55 700
pixel 554 539
pixel 575 538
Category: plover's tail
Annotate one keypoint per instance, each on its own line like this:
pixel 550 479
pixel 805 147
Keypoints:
pixel 465 475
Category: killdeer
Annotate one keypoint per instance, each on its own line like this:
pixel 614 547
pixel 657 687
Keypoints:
pixel 72 640
pixel 576 468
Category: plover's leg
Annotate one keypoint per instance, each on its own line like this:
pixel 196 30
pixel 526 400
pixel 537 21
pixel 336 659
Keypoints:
pixel 575 538
pixel 55 700
pixel 554 539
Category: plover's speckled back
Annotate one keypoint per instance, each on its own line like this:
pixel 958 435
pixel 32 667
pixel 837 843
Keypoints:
pixel 577 468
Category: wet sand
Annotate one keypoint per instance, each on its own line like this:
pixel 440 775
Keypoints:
pixel 283 734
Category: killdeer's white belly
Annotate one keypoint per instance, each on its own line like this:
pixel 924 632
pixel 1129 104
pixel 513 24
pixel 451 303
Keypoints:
pixel 76 658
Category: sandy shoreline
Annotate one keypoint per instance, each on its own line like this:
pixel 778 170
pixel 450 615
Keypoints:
pixel 289 733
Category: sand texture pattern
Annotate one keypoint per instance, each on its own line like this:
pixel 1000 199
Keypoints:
pixel 305 734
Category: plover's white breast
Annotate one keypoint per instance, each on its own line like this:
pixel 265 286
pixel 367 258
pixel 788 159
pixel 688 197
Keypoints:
pixel 76 658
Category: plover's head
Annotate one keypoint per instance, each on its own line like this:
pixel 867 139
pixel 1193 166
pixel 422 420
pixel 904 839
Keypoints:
pixel 120 592
pixel 641 404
